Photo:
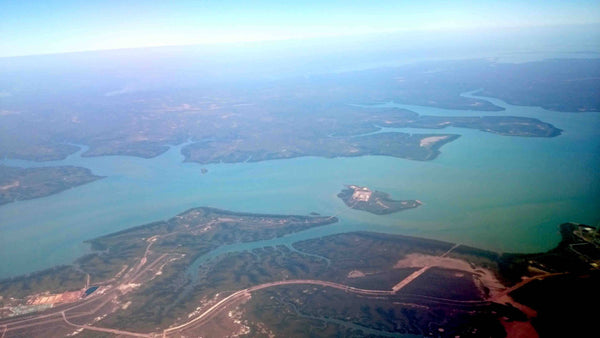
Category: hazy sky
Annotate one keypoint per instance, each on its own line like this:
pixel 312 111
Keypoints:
pixel 39 27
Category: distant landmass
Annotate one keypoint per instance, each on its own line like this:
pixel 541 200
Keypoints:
pixel 420 147
pixel 295 117
pixel 566 85
pixel 28 183
pixel 376 202
pixel 214 272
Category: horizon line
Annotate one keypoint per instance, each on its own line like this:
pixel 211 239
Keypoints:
pixel 305 38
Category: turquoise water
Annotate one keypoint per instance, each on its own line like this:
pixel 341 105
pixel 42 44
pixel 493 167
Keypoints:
pixel 486 190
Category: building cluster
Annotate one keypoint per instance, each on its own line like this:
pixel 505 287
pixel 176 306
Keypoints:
pixel 361 194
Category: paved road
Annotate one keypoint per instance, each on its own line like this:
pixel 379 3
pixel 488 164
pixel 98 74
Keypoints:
pixel 409 279
pixel 222 304
pixel 419 272
pixel 245 292
pixel 108 296
pixel 523 283
pixel 139 269
pixel 100 329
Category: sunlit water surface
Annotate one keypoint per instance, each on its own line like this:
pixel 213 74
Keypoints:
pixel 485 190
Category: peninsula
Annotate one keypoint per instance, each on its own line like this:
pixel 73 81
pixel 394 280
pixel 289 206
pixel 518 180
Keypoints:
pixel 376 202
pixel 28 183
pixel 355 284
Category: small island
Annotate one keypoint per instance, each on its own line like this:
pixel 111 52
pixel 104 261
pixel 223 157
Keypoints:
pixel 376 202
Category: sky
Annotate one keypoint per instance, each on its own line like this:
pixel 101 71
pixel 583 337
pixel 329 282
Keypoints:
pixel 46 27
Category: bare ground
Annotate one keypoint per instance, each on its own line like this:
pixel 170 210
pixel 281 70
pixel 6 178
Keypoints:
pixel 485 276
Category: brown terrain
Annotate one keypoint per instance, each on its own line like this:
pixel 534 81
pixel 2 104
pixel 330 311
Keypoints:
pixel 72 311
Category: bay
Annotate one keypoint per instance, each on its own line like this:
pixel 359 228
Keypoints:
pixel 507 194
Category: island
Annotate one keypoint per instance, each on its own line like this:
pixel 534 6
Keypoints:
pixel 375 202
pixel 27 183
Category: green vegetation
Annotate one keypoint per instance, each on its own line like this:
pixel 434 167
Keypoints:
pixel 386 144
pixel 574 254
pixel 28 183
pixel 299 117
pixel 309 311
pixel 563 298
pixel 60 278
pixel 358 283
pixel 192 234
pixel 375 202
pixel 563 304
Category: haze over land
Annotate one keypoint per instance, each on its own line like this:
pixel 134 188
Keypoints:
pixel 195 190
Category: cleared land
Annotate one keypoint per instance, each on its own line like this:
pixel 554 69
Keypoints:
pixel 376 202
pixel 150 283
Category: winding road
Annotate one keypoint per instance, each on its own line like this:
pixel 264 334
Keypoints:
pixel 64 313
